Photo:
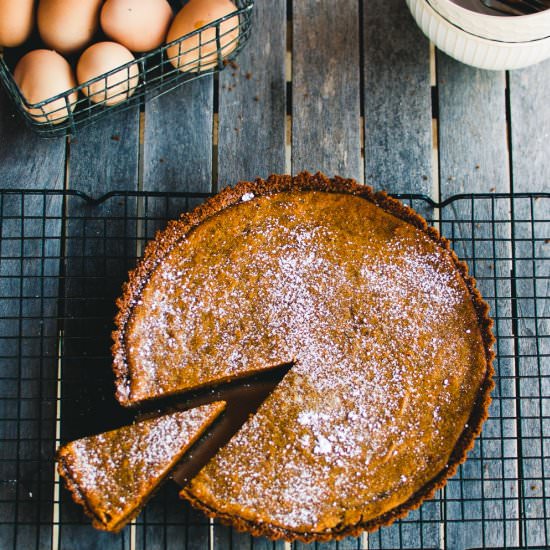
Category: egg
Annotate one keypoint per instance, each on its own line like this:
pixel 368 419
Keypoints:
pixel 67 26
pixel 43 74
pixel 140 26
pixel 192 54
pixel 102 58
pixel 16 21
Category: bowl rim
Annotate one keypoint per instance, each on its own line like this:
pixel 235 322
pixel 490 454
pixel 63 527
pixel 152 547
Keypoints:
pixel 501 18
pixel 471 14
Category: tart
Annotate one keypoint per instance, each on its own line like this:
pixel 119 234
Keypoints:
pixel 389 339
pixel 112 475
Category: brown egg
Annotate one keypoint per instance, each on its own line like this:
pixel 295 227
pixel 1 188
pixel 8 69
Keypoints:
pixel 140 26
pixel 68 26
pixel 192 55
pixel 100 59
pixel 42 74
pixel 16 21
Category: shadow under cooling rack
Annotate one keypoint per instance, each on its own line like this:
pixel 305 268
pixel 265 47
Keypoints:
pixel 63 259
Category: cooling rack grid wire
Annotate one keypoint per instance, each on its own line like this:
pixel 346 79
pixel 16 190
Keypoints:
pixel 63 258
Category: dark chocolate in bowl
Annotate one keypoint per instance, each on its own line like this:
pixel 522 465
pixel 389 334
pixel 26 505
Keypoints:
pixel 478 7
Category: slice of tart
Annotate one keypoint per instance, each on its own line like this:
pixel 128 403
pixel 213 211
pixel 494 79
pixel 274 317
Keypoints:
pixel 112 475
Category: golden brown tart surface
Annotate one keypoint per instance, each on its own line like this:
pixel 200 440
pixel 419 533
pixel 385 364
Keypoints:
pixel 388 336
pixel 113 474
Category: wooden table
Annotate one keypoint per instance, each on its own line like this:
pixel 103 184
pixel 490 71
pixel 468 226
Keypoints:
pixel 350 88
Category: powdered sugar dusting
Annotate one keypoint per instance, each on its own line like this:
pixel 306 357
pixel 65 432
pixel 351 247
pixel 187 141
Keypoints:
pixel 372 316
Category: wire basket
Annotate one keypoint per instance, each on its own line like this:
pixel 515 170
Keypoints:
pixel 63 259
pixel 204 51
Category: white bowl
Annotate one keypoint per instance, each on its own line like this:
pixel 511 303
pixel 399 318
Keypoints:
pixel 518 28
pixel 473 49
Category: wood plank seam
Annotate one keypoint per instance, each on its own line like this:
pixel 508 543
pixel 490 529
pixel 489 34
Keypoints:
pixel 57 481
pixel 436 196
pixel 56 510
pixel 215 131
pixel 515 331
pixel 362 137
pixel 56 530
pixel 519 426
pixel 539 351
pixel 288 81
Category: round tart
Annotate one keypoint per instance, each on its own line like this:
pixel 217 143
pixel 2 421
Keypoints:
pixel 389 340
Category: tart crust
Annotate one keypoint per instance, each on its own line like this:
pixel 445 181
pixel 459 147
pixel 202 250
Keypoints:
pixel 163 244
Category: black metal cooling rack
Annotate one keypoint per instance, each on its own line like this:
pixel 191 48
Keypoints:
pixel 63 258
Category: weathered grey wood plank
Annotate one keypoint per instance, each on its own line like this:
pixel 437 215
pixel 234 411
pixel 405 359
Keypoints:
pixel 29 267
pixel 251 143
pixel 398 158
pixel 530 123
pixel 252 101
pixel 100 248
pixel 530 120
pixel 344 544
pixel 473 158
pixel 397 99
pixel 532 309
pixel 326 93
pixel 27 161
pixel 326 123
pixel 420 529
pixel 351 543
pixel 225 537
pixel 177 156
pixel 473 154
pixel 177 152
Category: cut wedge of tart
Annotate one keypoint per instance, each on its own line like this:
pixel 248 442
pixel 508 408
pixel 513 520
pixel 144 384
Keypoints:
pixel 388 337
pixel 112 475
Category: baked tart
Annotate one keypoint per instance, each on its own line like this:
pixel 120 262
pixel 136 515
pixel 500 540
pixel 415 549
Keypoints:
pixel 389 339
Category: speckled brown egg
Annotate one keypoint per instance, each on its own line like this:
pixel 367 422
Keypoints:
pixel 102 58
pixel 199 52
pixel 67 26
pixel 16 21
pixel 140 26
pixel 43 74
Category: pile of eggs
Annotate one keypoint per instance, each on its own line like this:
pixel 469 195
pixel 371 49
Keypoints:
pixel 68 27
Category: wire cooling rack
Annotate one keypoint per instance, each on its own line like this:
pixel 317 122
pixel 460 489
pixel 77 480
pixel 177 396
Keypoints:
pixel 63 258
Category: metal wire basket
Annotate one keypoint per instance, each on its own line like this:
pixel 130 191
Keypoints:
pixel 205 51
